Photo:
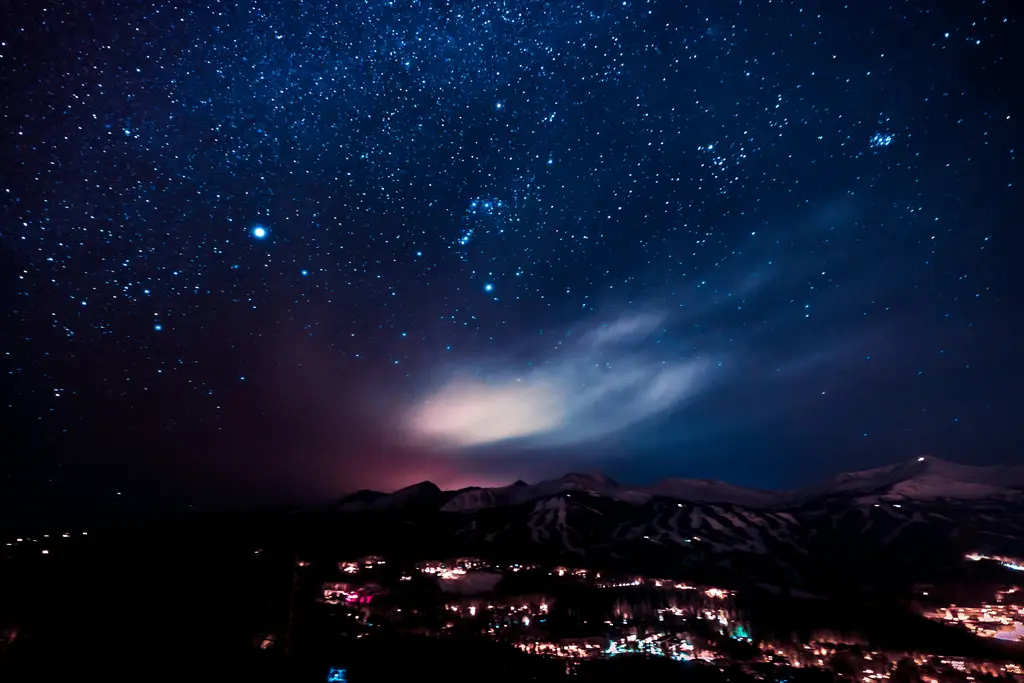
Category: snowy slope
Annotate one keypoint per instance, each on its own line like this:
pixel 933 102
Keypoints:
pixel 924 478
pixel 930 486
pixel 478 498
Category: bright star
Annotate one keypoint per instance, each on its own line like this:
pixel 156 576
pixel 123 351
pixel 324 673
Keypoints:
pixel 158 327
pixel 259 232
pixel 488 287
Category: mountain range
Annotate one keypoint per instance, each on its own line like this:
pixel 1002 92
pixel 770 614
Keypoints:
pixel 921 478
pixel 892 525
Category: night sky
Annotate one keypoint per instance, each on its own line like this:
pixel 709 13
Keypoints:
pixel 274 251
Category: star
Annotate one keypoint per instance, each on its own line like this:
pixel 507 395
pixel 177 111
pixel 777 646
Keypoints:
pixel 701 216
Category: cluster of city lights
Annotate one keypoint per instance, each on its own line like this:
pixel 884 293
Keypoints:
pixel 47 539
pixel 363 563
pixel 1015 564
pixel 999 621
pixel 664 633
pixel 445 573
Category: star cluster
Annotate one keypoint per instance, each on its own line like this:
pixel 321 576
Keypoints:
pixel 271 234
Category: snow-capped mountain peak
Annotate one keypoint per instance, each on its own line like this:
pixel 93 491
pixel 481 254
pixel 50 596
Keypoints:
pixel 926 478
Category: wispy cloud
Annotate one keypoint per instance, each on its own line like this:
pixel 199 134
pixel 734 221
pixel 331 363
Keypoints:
pixel 613 377
pixel 756 338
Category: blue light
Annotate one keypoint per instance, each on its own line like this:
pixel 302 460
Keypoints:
pixel 488 287
pixel 259 232
pixel 305 273
pixel 158 327
pixel 882 139
pixel 337 675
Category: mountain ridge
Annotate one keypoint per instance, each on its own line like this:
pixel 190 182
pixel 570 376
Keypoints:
pixel 920 478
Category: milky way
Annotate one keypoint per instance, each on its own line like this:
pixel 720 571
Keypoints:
pixel 326 241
